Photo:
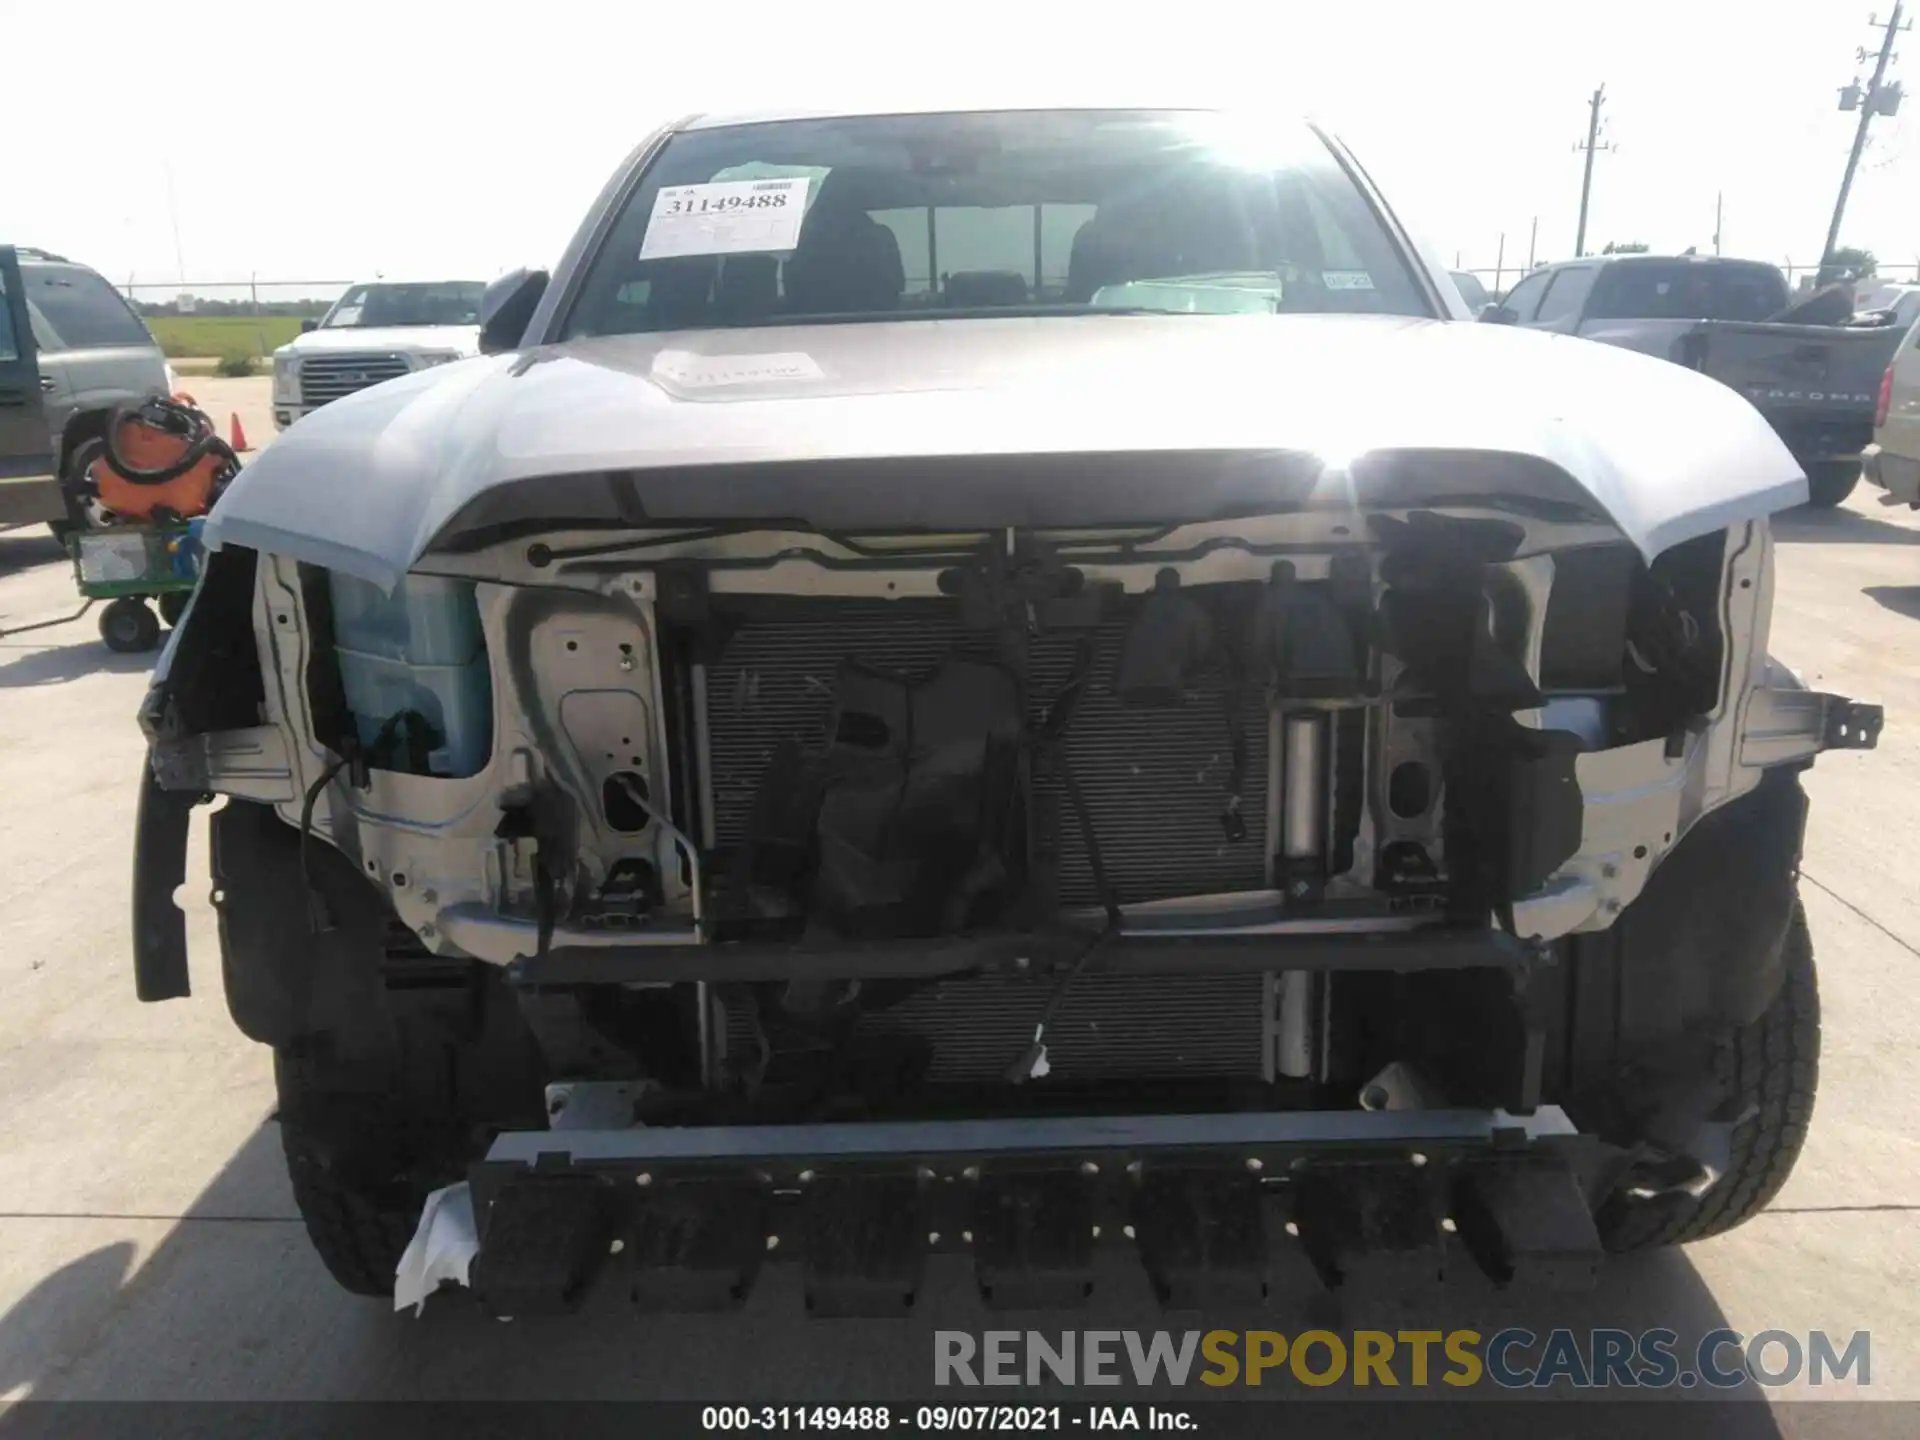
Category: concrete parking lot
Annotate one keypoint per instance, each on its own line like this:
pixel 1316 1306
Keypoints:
pixel 149 1246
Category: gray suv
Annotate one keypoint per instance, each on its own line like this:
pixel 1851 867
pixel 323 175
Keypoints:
pixel 94 352
pixel 28 490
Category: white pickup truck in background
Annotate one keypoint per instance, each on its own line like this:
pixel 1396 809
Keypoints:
pixel 374 332
pixel 1892 461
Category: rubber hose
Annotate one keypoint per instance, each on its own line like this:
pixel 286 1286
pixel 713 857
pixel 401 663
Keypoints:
pixel 202 442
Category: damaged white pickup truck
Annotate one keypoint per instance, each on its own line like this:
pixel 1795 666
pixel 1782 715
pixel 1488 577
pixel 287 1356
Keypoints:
pixel 1009 684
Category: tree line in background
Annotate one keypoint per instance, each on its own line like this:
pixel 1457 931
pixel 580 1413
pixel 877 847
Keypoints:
pixel 299 309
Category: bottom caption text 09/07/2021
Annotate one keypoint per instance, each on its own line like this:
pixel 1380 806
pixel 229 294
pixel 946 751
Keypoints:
pixel 942 1418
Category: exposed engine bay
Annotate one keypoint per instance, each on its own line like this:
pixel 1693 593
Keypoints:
pixel 855 822
pixel 746 857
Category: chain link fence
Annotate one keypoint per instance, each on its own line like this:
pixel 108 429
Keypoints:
pixel 254 317
pixel 230 319
pixel 1499 279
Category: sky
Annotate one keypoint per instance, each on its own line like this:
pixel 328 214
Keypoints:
pixel 411 137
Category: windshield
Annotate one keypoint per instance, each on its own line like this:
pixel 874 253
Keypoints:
pixel 1687 290
pixel 443 302
pixel 900 217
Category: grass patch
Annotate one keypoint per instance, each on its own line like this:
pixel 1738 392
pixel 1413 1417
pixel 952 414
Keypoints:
pixel 222 334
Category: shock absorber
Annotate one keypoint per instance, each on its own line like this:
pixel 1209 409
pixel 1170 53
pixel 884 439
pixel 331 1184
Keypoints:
pixel 1300 870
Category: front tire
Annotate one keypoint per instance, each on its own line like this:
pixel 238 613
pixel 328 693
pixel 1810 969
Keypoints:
pixel 1770 1069
pixel 370 1131
pixel 1831 481
pixel 359 1230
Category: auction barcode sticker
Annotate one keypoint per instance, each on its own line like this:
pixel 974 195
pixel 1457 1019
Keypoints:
pixel 727 217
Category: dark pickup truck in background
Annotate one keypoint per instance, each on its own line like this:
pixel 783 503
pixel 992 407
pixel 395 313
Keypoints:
pixel 1734 320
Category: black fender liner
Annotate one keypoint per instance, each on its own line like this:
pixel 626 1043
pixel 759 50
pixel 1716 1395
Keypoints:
pixel 282 980
pixel 159 868
pixel 1700 953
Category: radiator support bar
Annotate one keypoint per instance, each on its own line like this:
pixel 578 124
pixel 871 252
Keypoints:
pixel 1431 948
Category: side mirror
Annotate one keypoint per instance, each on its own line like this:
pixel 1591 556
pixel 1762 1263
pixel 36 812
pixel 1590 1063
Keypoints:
pixel 307 327
pixel 505 308
pixel 1498 315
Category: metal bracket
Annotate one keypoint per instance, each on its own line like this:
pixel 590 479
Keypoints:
pixel 1852 724
pixel 1784 724
pixel 11 631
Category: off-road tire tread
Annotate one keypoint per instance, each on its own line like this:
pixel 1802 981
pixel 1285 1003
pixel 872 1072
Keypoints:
pixel 1829 482
pixel 359 1239
pixel 1772 1068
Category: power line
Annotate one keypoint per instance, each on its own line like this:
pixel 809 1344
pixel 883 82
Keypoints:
pixel 1880 97
pixel 1586 179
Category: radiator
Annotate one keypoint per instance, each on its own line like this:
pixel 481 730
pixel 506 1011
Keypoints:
pixel 1155 780
pixel 1109 1027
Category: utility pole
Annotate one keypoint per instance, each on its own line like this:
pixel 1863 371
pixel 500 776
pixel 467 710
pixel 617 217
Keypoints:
pixel 1879 98
pixel 1719 210
pixel 173 212
pixel 1586 180
pixel 1533 243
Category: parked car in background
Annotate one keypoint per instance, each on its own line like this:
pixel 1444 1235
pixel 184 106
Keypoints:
pixel 1816 384
pixel 94 354
pixel 1471 290
pixel 377 331
pixel 1892 461
pixel 991 734
pixel 1902 302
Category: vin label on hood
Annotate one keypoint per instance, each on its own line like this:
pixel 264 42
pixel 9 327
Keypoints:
pixel 726 217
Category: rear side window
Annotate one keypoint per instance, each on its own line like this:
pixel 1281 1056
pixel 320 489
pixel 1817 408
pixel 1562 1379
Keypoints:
pixel 1471 290
pixel 9 347
pixel 1685 290
pixel 1525 295
pixel 1566 292
pixel 77 310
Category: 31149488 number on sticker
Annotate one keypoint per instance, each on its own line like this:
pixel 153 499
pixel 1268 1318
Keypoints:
pixel 726 217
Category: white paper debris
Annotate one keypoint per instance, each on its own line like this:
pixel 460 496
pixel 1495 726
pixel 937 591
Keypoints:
pixel 442 1248
pixel 726 217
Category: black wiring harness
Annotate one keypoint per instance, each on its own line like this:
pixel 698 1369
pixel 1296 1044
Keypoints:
pixel 350 754
pixel 1050 741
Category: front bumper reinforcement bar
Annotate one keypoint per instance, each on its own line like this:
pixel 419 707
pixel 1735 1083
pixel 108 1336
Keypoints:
pixel 1218 1208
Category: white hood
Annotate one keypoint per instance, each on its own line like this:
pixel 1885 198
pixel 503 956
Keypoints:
pixel 725 424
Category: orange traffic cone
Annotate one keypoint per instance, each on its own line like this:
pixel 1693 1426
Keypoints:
pixel 239 437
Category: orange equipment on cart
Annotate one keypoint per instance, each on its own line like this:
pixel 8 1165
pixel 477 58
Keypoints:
pixel 162 460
